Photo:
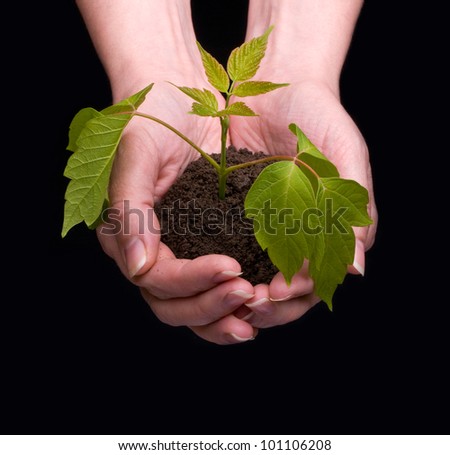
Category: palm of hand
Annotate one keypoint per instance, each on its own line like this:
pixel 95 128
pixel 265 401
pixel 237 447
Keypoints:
pixel 148 149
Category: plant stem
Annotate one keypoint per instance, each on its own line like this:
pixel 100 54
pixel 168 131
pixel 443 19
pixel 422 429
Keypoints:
pixel 182 136
pixel 224 124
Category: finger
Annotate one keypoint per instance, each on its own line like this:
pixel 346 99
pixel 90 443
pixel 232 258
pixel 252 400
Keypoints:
pixel 268 313
pixel 301 284
pixel 172 278
pixel 125 237
pixel 227 330
pixel 204 308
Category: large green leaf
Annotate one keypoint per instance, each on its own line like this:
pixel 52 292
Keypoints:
pixel 297 219
pixel 312 156
pixel 277 203
pixel 89 167
pixel 342 203
pixel 349 195
pixel 331 270
pixel 244 61
pixel 78 123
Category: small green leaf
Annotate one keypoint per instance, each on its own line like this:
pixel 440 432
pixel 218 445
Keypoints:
pixel 252 88
pixel 204 97
pixel 215 72
pixel 89 167
pixel 238 108
pixel 203 111
pixel 244 61
pixel 277 202
pixel 310 154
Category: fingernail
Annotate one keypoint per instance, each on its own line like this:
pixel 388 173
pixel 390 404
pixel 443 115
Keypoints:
pixel 358 262
pixel 358 267
pixel 239 296
pixel 261 307
pixel 135 256
pixel 232 273
pixel 226 275
pixel 247 316
pixel 257 303
pixel 241 339
pixel 282 299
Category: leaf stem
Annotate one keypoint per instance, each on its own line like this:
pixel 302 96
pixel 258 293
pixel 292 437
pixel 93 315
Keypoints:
pixel 180 135
pixel 260 160
pixel 302 163
pixel 272 158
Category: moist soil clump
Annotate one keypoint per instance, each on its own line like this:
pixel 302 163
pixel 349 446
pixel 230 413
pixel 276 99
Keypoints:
pixel 195 222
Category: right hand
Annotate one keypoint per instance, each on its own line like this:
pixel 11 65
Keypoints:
pixel 202 293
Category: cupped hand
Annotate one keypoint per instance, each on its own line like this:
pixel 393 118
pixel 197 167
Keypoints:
pixel 202 293
pixel 316 109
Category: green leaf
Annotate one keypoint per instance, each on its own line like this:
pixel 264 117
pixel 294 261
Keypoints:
pixel 77 125
pixel 252 88
pixel 351 196
pixel 277 202
pixel 337 255
pixel 294 222
pixel 204 97
pixel 203 111
pixel 342 204
pixel 129 104
pixel 328 264
pixel 310 154
pixel 238 108
pixel 215 72
pixel 244 61
pixel 89 167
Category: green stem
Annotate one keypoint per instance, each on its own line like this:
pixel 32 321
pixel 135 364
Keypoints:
pixel 224 124
pixel 180 135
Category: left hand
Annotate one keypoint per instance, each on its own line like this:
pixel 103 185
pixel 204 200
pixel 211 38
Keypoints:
pixel 318 112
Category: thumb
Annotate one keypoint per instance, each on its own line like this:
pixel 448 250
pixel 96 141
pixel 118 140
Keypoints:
pixel 138 237
pixel 131 232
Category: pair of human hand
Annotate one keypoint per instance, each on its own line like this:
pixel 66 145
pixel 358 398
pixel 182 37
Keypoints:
pixel 207 294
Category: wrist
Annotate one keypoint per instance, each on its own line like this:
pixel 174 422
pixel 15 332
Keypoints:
pixel 310 39
pixel 142 41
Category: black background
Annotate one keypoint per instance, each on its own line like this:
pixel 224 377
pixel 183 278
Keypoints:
pixel 81 351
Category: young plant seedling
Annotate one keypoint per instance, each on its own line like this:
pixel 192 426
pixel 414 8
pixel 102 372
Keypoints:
pixel 300 207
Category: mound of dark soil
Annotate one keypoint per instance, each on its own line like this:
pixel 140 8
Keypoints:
pixel 195 222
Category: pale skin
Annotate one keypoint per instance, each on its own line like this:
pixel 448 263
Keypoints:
pixel 152 41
